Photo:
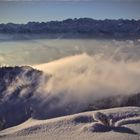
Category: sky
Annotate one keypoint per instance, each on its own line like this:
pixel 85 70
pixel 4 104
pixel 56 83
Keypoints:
pixel 23 11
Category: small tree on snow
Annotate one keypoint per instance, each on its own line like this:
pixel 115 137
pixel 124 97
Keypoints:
pixel 102 118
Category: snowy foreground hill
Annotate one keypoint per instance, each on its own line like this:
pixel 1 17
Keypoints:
pixel 124 125
pixel 53 101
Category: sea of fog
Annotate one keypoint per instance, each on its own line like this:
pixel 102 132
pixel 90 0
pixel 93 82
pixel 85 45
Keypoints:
pixel 32 52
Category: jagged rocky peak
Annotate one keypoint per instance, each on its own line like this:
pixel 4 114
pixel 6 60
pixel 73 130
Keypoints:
pixel 18 93
pixel 19 81
pixel 12 73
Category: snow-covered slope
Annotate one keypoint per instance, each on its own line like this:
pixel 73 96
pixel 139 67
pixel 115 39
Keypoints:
pixel 80 126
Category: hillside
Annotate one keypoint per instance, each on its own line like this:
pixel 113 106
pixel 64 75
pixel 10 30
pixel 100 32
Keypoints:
pixel 26 92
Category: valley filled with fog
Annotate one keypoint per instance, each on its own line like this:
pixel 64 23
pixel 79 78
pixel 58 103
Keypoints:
pixel 37 51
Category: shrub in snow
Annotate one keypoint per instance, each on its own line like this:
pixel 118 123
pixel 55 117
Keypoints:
pixel 96 127
pixel 102 118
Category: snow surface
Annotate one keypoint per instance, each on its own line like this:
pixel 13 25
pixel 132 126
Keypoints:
pixel 80 126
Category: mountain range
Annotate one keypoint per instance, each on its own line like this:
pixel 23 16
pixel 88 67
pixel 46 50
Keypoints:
pixel 76 28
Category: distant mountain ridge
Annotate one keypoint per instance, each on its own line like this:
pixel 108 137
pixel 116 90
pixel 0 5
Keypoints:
pixel 77 28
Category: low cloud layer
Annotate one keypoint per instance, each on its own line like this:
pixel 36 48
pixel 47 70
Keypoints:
pixel 81 80
pixel 29 52
pixel 84 76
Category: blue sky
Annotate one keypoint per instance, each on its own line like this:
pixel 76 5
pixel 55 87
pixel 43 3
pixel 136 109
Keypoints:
pixel 22 12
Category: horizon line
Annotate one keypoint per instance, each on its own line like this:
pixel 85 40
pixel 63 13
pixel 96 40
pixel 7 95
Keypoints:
pixel 132 19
